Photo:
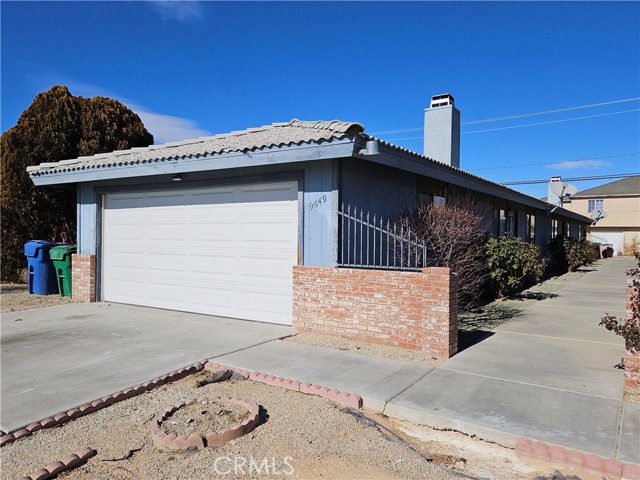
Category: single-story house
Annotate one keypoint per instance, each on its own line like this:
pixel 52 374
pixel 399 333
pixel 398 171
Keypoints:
pixel 621 202
pixel 217 225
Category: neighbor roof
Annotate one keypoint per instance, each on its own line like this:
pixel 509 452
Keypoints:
pixel 295 132
pixel 626 187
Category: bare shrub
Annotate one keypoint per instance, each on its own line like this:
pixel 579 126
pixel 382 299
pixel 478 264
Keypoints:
pixel 454 235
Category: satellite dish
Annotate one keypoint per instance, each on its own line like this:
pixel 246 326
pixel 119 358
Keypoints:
pixel 556 188
pixel 562 189
pixel 559 191
pixel 597 215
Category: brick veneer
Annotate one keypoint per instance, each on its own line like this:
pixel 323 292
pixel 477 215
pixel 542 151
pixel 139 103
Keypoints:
pixel 414 310
pixel 632 360
pixel 83 278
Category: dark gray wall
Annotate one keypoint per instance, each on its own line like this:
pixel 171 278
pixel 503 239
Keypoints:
pixel 376 188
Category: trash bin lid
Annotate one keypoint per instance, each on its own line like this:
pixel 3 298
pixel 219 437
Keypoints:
pixel 60 251
pixel 31 247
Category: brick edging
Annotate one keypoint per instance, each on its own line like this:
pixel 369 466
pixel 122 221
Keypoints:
pixel 338 396
pixel 100 403
pixel 67 463
pixel 526 447
pixel 198 440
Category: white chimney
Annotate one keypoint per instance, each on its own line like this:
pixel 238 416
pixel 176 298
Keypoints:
pixel 442 130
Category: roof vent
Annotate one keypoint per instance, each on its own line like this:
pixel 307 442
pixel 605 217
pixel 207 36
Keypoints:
pixel 442 100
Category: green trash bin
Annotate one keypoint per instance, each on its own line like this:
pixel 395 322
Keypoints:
pixel 61 258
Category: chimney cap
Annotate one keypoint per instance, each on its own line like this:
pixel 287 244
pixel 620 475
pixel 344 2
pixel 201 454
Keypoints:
pixel 442 100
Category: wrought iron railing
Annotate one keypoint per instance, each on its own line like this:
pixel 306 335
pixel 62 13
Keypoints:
pixel 368 241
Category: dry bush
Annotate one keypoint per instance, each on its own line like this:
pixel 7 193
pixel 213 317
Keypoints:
pixel 455 236
pixel 631 247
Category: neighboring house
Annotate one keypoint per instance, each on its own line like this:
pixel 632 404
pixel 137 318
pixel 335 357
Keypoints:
pixel 214 225
pixel 621 201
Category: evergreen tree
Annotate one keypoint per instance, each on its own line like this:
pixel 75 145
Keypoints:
pixel 56 126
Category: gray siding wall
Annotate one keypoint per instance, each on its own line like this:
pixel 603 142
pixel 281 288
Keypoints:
pixel 376 188
pixel 317 199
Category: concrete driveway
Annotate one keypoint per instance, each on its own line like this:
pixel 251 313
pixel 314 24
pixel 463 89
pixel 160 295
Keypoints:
pixel 56 358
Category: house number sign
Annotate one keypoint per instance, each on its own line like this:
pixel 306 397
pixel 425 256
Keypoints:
pixel 317 202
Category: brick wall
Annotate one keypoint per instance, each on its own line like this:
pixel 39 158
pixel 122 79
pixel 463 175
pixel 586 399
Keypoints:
pixel 414 310
pixel 632 360
pixel 83 278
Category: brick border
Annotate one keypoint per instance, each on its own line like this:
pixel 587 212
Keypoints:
pixel 90 407
pixel 337 396
pixel 67 463
pixel 197 440
pixel 526 447
pixel 342 398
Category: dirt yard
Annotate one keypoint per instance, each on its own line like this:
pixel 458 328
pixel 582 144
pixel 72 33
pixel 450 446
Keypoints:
pixel 15 297
pixel 300 436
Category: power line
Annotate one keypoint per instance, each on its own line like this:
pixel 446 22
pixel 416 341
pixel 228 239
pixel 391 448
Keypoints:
pixel 511 117
pixel 575 179
pixel 534 124
pixel 553 121
pixel 546 112
pixel 556 161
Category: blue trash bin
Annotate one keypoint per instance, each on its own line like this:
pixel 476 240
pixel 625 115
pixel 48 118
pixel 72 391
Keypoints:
pixel 42 273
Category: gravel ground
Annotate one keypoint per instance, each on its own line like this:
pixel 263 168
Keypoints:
pixel 15 297
pixel 313 436
pixel 384 351
pixel 303 437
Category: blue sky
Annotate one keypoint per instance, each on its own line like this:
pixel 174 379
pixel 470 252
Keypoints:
pixel 196 68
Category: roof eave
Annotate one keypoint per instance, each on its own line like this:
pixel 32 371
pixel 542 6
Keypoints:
pixel 311 151
pixel 404 159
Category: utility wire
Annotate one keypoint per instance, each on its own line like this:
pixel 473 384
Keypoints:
pixel 511 117
pixel 554 162
pixel 575 179
pixel 533 124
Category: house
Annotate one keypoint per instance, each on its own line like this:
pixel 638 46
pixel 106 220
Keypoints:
pixel 217 225
pixel 621 202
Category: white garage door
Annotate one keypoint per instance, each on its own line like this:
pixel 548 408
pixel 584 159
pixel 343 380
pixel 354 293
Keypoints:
pixel 613 238
pixel 225 251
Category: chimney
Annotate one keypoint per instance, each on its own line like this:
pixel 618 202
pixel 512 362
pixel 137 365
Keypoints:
pixel 442 130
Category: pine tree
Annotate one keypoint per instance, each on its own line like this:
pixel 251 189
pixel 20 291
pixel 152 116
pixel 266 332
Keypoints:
pixel 56 126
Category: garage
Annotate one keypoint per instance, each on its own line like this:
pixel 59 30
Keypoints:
pixel 226 250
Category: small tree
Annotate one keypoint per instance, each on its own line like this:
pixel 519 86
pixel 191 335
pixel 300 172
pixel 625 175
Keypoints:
pixel 454 236
pixel 513 264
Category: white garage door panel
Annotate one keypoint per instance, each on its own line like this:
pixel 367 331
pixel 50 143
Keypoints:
pixel 221 251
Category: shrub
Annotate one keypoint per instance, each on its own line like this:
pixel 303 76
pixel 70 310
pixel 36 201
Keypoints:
pixel 579 253
pixel 628 328
pixel 569 254
pixel 513 264
pixel 454 235
pixel 632 247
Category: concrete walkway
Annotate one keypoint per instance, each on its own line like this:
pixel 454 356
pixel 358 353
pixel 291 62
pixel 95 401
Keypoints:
pixel 547 374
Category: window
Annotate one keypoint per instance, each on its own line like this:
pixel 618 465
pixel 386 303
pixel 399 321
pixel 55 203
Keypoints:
pixel 554 228
pixel 499 221
pixel 595 204
pixel 531 227
pixel 439 199
pixel 512 223
pixel 567 229
pixel 580 231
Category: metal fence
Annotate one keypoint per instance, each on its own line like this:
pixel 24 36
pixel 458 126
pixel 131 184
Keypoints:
pixel 371 242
